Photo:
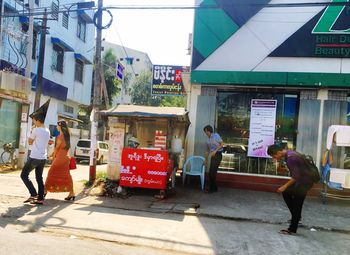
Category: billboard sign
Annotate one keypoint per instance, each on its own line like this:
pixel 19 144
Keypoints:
pixel 120 71
pixel 167 80
pixel 145 168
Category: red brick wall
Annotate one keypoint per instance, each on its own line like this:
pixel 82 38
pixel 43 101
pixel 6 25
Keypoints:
pixel 255 182
pixel 260 183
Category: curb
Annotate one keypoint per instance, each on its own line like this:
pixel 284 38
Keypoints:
pixel 216 216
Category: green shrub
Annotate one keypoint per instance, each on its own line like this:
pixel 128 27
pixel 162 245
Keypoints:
pixel 100 177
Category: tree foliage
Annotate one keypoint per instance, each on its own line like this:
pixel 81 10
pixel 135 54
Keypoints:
pixel 173 101
pixel 109 66
pixel 141 93
pixel 141 90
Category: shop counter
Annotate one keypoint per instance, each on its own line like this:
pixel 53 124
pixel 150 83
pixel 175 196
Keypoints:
pixel 145 168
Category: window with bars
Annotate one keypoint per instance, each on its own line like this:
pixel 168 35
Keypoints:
pixel 337 95
pixel 65 19
pixel 81 30
pixel 308 95
pixel 129 60
pixel 57 58
pixel 68 109
pixel 55 9
pixel 79 70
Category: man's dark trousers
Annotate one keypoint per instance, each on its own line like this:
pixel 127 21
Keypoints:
pixel 213 170
pixel 294 197
pixel 38 164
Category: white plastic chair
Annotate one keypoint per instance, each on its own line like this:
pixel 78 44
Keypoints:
pixel 194 165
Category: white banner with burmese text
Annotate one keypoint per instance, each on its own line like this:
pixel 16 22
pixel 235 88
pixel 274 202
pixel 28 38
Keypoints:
pixel 262 127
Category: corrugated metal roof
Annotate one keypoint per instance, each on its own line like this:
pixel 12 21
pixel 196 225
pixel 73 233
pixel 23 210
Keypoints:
pixel 145 111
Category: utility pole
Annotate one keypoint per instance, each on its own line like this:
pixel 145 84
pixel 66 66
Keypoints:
pixel 1 25
pixel 25 108
pixel 30 39
pixel 97 97
pixel 41 62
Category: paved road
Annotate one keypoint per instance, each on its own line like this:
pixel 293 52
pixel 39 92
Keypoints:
pixel 55 244
pixel 164 232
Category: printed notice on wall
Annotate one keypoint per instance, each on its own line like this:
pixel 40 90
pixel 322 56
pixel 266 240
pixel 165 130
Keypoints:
pixel 116 144
pixel 262 127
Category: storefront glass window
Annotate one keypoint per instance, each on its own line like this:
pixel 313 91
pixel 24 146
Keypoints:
pixel 9 122
pixel 233 125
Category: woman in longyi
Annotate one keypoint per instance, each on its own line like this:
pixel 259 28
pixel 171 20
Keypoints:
pixel 59 178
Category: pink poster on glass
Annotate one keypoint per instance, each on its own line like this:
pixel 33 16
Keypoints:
pixel 262 127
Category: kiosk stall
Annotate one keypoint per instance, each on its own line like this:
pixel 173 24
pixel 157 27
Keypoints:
pixel 160 134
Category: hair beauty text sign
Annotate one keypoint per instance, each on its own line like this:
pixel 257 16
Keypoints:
pixel 167 80
pixel 262 127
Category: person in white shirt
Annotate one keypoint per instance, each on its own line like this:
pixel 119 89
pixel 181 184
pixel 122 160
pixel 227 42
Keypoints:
pixel 38 139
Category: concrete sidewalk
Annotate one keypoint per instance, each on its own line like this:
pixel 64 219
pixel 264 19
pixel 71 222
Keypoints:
pixel 234 204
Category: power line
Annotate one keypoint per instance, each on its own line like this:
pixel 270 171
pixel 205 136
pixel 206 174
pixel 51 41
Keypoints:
pixel 221 5
pixel 126 54
pixel 63 8
pixel 38 11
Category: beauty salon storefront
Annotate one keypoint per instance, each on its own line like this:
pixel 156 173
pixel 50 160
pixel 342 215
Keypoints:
pixel 294 56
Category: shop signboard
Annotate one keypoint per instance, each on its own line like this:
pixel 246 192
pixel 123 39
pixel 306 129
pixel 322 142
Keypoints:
pixel 144 168
pixel 327 34
pixel 262 127
pixel 167 80
pixel 120 71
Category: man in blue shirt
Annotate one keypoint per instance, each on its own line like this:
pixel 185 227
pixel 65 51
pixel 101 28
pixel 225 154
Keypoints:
pixel 214 153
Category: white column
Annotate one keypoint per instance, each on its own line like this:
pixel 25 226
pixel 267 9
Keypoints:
pixel 192 100
pixel 322 96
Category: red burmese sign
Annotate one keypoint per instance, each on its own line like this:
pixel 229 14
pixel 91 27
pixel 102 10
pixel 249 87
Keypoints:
pixel 144 168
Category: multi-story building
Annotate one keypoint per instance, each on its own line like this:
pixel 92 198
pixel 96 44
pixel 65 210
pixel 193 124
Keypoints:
pixel 67 72
pixel 133 61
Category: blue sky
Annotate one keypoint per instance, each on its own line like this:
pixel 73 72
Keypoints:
pixel 162 34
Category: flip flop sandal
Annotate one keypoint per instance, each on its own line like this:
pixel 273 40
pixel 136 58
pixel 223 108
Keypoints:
pixel 285 232
pixel 30 199
pixel 36 202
